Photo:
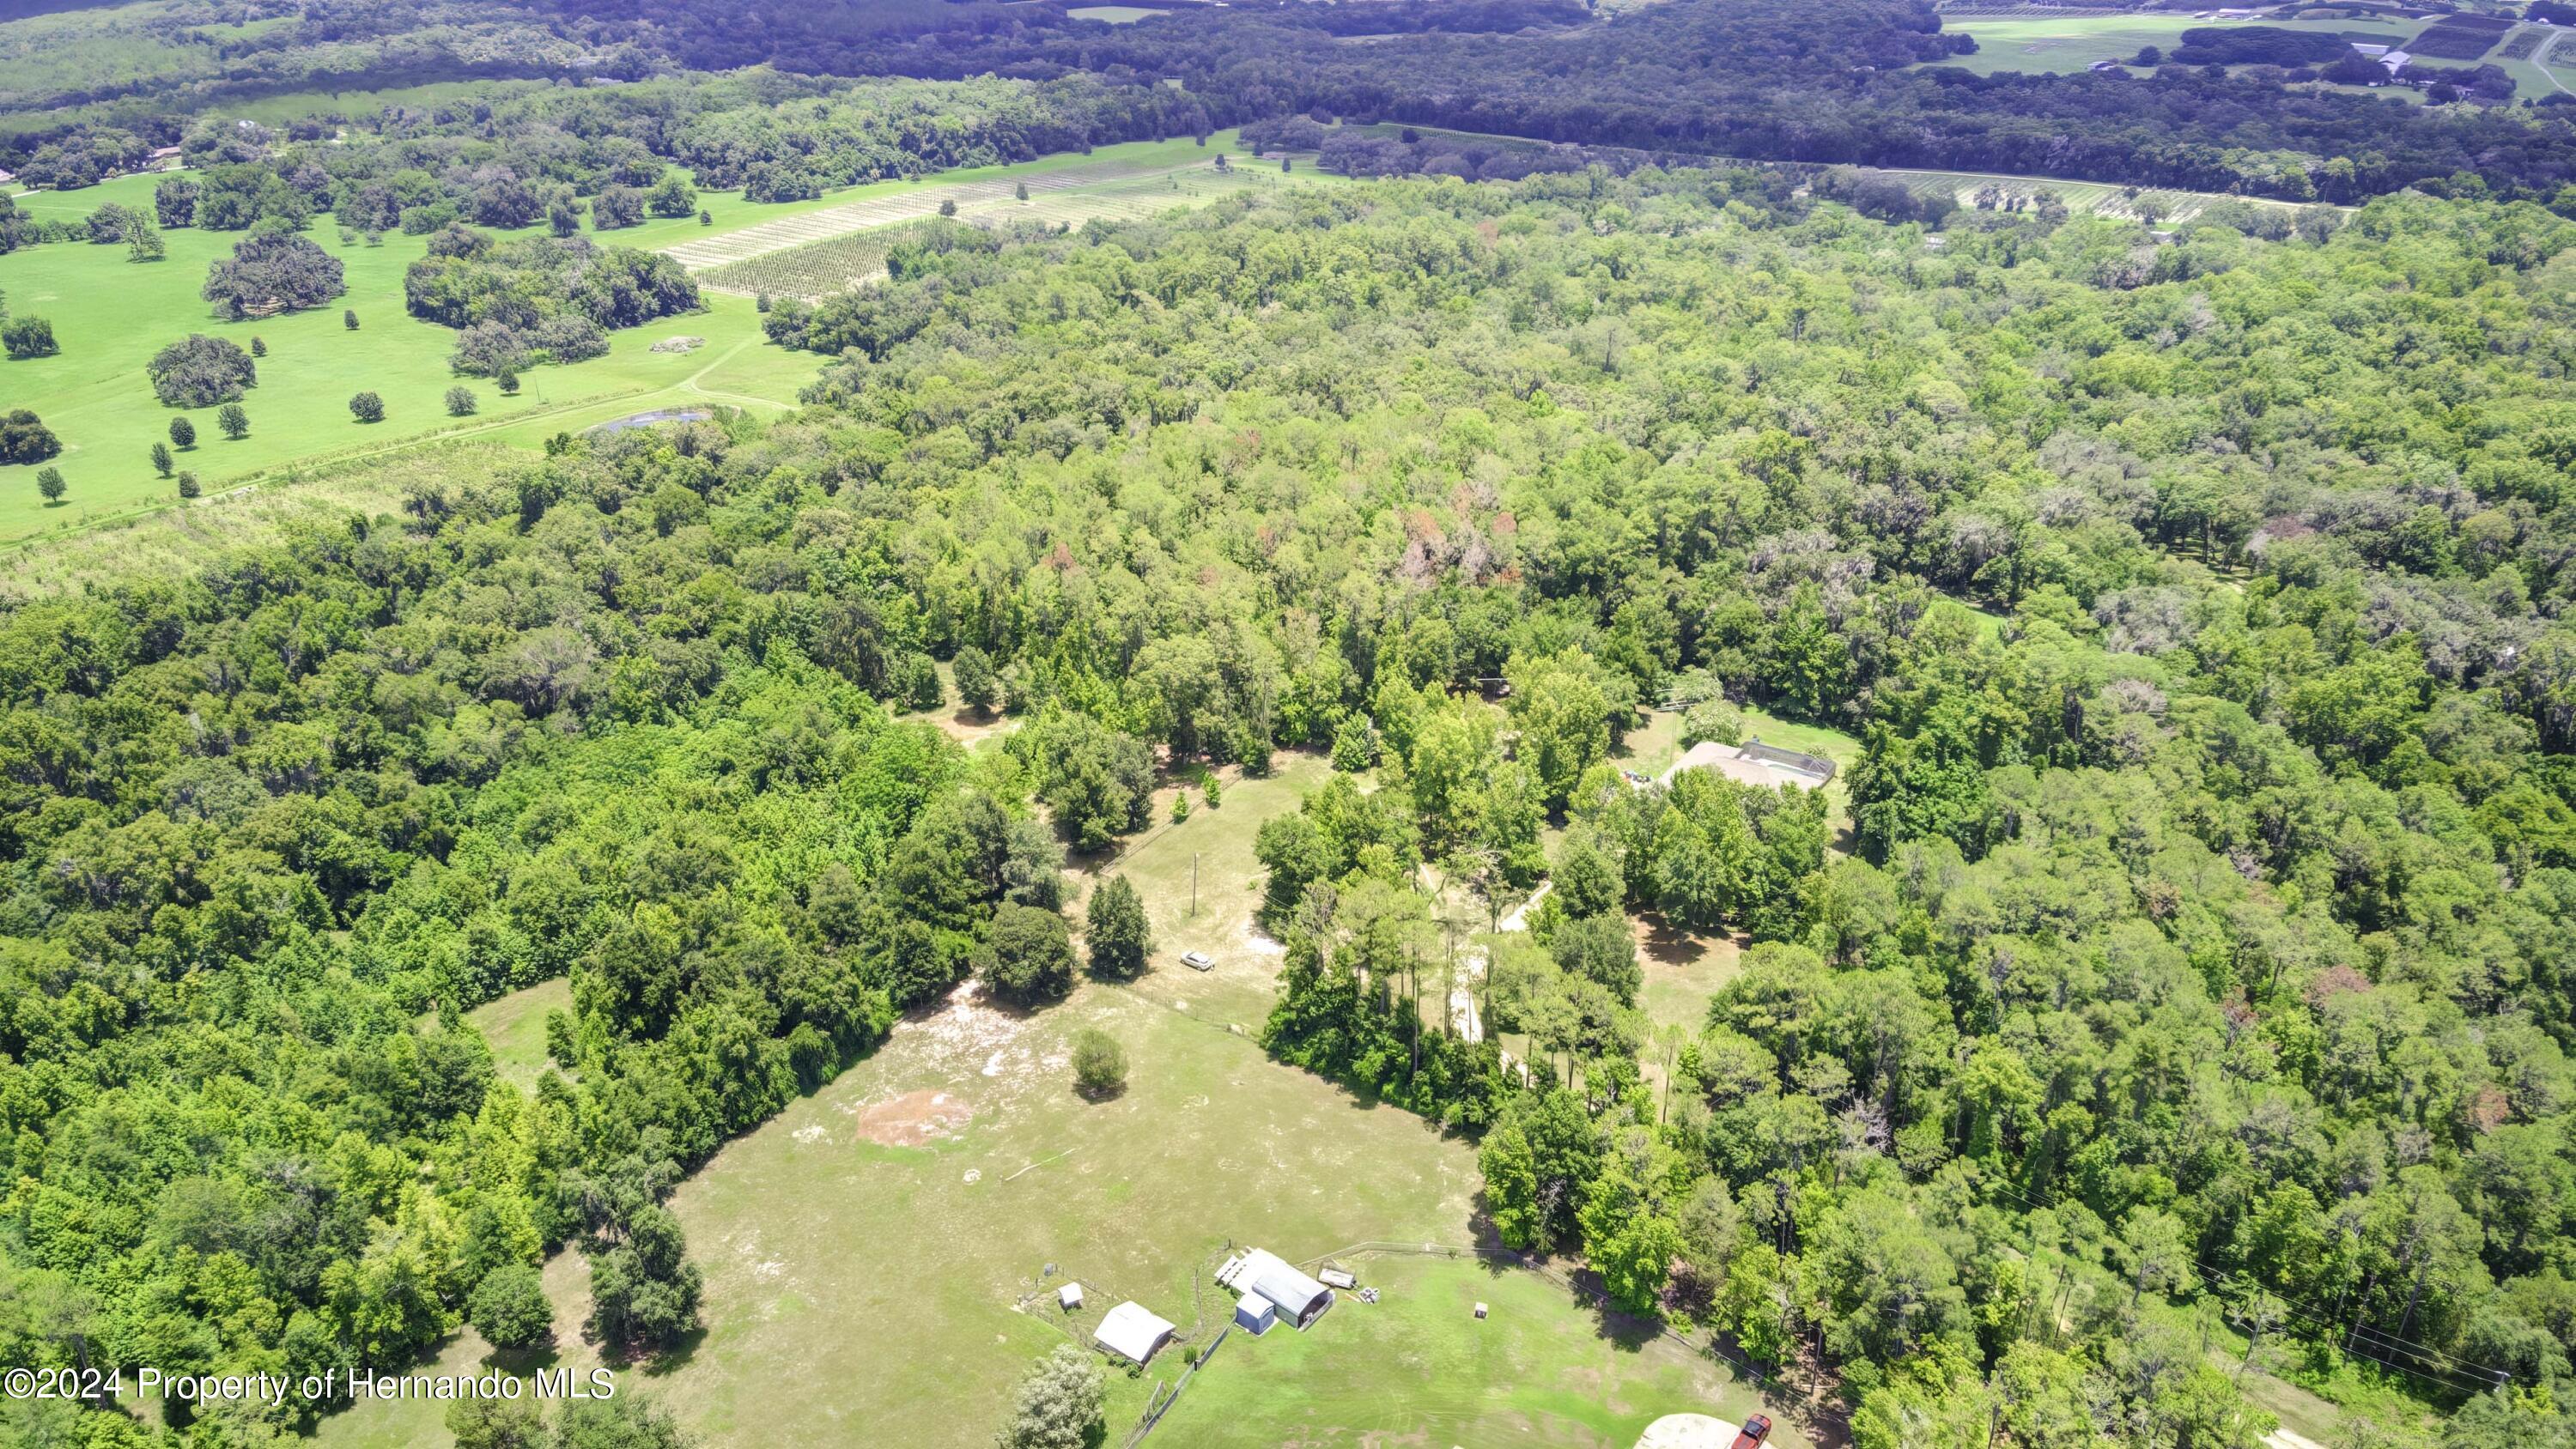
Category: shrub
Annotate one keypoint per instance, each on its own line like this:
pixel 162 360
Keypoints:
pixel 1027 954
pixel 183 432
pixel 349 318
pixel 366 407
pixel 508 382
pixel 509 1308
pixel 198 371
pixel 1117 931
pixel 460 402
pixel 1058 1405
pixel 258 347
pixel 188 487
pixel 28 337
pixel 49 481
pixel 161 460
pixel 1099 1063
pixel 25 439
pixel 234 421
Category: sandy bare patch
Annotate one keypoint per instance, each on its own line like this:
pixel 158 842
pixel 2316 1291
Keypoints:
pixel 1258 944
pixel 1687 1431
pixel 914 1119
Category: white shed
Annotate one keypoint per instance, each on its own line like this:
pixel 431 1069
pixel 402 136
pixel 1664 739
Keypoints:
pixel 1254 1315
pixel 1069 1297
pixel 1132 1332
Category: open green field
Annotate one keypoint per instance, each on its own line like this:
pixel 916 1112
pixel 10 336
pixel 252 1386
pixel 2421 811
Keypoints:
pixel 1112 181
pixel 1216 845
pixel 876 1255
pixel 2069 44
pixel 111 314
pixel 861 1291
pixel 1531 1372
pixel 515 1028
pixel 819 253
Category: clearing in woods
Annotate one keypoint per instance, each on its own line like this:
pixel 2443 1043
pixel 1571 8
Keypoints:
pixel 1107 173
pixel 858 1292
pixel 876 1255
pixel 814 269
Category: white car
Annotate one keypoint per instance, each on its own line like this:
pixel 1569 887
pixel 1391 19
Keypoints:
pixel 1197 960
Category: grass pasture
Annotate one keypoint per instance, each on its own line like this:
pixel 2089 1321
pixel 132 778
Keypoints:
pixel 111 314
pixel 862 1292
pixel 885 203
pixel 2069 43
pixel 2083 198
pixel 876 1255
pixel 819 268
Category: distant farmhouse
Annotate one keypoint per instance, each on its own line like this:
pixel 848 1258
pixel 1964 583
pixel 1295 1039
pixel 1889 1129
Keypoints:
pixel 1272 1291
pixel 1755 763
pixel 2396 60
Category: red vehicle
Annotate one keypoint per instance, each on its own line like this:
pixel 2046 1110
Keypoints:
pixel 1756 1429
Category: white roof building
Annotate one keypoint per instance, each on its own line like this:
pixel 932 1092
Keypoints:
pixel 1754 763
pixel 1132 1332
pixel 1069 1297
pixel 1300 1299
pixel 1254 1314
pixel 2396 60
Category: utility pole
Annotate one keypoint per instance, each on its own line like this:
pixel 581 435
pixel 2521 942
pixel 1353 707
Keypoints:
pixel 1194 883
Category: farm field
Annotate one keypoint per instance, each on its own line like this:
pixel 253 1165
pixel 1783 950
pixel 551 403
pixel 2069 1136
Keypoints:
pixel 2069 44
pixel 816 269
pixel 111 314
pixel 1114 181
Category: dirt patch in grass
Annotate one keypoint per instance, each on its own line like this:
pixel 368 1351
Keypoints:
pixel 915 1119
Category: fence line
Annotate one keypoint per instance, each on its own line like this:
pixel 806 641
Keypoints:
pixel 1154 1412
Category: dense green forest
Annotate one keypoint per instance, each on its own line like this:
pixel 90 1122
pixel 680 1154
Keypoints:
pixel 2203 910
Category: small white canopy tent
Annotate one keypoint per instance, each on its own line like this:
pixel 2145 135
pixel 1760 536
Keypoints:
pixel 1132 1332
